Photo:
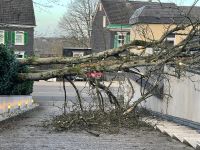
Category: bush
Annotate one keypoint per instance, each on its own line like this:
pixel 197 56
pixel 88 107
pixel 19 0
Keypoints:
pixel 140 43
pixel 9 69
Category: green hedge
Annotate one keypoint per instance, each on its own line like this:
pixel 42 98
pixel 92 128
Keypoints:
pixel 9 69
pixel 141 43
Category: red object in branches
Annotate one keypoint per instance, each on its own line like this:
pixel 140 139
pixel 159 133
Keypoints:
pixel 94 74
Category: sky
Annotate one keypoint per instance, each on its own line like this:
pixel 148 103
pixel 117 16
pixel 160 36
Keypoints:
pixel 47 18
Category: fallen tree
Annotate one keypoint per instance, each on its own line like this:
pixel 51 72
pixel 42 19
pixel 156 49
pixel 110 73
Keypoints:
pixel 123 59
pixel 148 69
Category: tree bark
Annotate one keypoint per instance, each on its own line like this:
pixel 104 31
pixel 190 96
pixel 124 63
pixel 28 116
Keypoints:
pixel 74 60
pixel 72 70
pixel 77 93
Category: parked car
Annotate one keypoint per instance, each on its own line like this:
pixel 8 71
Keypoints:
pixel 79 78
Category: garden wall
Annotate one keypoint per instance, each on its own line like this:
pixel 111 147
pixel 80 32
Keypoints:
pixel 13 103
pixel 184 103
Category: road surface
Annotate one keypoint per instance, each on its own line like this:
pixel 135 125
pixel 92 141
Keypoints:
pixel 26 132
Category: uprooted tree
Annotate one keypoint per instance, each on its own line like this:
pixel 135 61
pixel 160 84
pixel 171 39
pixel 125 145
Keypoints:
pixel 124 59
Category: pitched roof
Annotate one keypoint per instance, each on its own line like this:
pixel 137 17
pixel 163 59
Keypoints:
pixel 163 14
pixel 19 12
pixel 193 12
pixel 120 11
pixel 155 14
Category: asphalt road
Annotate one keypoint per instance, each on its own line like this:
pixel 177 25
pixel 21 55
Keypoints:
pixel 52 92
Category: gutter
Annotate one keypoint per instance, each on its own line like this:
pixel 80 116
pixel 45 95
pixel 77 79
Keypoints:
pixel 17 25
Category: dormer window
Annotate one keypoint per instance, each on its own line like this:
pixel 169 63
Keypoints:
pixel 2 37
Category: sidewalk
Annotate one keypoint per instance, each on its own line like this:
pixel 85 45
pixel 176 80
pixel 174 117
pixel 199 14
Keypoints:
pixel 181 133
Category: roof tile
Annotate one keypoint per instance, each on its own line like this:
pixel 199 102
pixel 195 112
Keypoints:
pixel 19 12
pixel 120 11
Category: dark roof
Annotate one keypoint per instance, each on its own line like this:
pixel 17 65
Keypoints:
pixel 163 14
pixel 155 14
pixel 19 12
pixel 193 12
pixel 120 11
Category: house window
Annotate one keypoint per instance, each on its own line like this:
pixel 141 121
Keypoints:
pixel 19 54
pixel 2 36
pixel 19 37
pixel 104 21
pixel 121 38
pixel 78 54
pixel 170 39
pixel 100 7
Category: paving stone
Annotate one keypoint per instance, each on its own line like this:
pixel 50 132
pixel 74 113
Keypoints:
pixel 26 133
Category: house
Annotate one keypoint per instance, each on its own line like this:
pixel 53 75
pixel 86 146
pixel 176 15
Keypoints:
pixel 76 52
pixel 150 22
pixel 118 22
pixel 57 47
pixel 110 18
pixel 17 22
pixel 111 27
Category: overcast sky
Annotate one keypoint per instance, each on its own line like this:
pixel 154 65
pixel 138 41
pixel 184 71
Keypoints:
pixel 47 18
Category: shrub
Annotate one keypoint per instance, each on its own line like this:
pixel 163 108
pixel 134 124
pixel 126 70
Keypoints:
pixel 140 43
pixel 9 69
